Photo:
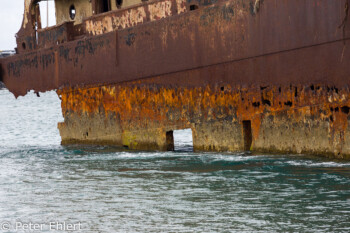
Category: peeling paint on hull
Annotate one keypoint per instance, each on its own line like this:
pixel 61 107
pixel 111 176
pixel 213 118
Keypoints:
pixel 293 119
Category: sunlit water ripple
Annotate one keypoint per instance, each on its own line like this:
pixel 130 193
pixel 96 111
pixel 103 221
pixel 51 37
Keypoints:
pixel 110 190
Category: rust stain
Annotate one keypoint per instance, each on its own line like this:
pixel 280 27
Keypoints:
pixel 126 18
pixel 138 106
pixel 160 10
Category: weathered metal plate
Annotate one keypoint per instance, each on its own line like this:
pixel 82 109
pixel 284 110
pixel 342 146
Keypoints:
pixel 284 42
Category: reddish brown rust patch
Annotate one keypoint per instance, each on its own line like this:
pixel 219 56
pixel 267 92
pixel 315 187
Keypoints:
pixel 139 107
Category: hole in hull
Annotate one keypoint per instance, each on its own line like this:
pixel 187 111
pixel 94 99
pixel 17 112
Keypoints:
pixel 193 7
pixel 183 140
pixel 247 135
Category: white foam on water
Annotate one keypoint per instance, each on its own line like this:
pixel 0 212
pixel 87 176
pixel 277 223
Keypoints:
pixel 312 163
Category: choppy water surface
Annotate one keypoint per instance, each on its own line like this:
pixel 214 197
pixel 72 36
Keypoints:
pixel 107 190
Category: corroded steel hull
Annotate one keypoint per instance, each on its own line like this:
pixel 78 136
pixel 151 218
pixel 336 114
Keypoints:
pixel 268 78
pixel 293 119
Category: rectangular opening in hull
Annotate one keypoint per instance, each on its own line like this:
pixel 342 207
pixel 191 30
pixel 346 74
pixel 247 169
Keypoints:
pixel 247 135
pixel 183 140
pixel 193 7
pixel 169 141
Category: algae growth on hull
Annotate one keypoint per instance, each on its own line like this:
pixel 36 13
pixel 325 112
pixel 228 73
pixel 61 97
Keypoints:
pixel 288 119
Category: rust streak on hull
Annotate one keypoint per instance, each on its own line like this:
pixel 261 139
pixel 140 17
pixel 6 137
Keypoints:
pixel 302 119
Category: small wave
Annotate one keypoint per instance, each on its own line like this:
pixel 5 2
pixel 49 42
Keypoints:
pixel 311 163
pixel 238 157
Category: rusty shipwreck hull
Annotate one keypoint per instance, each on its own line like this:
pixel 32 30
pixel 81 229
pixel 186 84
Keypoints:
pixel 269 77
